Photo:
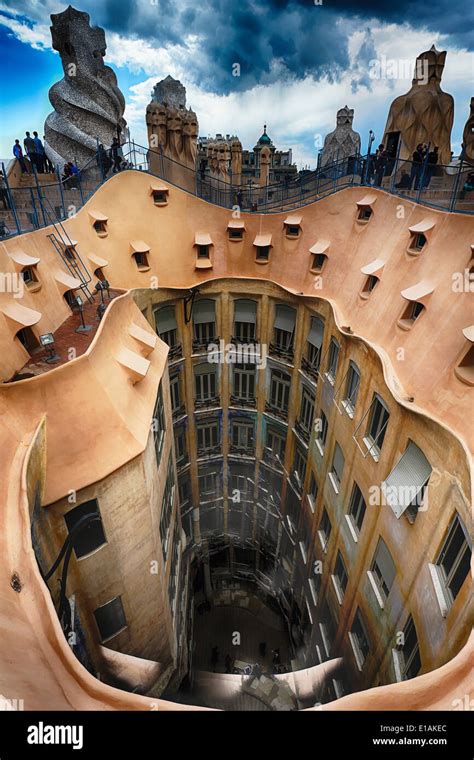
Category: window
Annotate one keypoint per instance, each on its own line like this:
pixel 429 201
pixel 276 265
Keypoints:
pixel 263 252
pixel 184 490
pixel 454 560
pixel 404 488
pixel 175 393
pixel 359 639
pixel 319 260
pixel 205 379
pixel 369 285
pixel 299 468
pixel 322 432
pixel 333 360
pixel 29 277
pixel 167 509
pixel 365 213
pixel 242 436
pixel 311 361
pixel 407 655
pixel 208 485
pixel 180 444
pixel 204 320
pixel 327 629
pixel 283 329
pixel 245 318
pixel 275 446
pixel 382 571
pixel 244 382
pixel 340 577
pixel 352 389
pixel 236 233
pixel 280 390
pixel 27 338
pixel 324 530
pixel 357 509
pixel 70 251
pixel 292 230
pixel 314 586
pixel 141 260
pixel 203 251
pixel 110 618
pixel 313 492
pixel 173 579
pixel 158 425
pixel 305 421
pixel 304 549
pixel 337 467
pixel 166 326
pixel 418 241
pixel 410 314
pixel 160 197
pixel 378 421
pixel 241 487
pixel 90 536
pixel 207 436
pixel 100 226
pixel 465 369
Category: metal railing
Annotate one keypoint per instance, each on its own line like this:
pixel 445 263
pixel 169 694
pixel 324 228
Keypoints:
pixel 449 187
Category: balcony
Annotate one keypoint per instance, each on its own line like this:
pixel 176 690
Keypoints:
pixel 175 353
pixel 209 451
pixel 243 451
pixel 239 401
pixel 309 369
pixel 302 431
pixel 237 340
pixel 276 411
pixel 179 411
pixel 272 460
pixel 182 462
pixel 285 353
pixel 200 348
pixel 208 403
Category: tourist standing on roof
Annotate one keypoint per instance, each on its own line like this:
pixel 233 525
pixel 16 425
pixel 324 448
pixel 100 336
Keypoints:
pixel 18 153
pixel 40 154
pixel 30 149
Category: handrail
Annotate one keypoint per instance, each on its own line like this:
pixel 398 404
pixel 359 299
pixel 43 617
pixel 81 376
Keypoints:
pixel 417 183
pixel 57 239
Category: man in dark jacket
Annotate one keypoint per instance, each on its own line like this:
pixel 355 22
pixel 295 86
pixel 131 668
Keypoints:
pixel 30 149
pixel 416 167
pixel 40 154
pixel 432 160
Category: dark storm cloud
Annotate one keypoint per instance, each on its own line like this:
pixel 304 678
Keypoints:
pixel 306 38
pixel 269 38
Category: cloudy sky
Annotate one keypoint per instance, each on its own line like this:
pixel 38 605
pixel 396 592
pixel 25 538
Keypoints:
pixel 300 60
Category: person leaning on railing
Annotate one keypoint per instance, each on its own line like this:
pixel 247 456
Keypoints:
pixel 468 186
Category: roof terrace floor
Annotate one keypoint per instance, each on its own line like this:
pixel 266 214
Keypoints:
pixel 68 343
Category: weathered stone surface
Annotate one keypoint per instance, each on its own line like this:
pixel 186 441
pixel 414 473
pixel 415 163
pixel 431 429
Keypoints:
pixel 170 92
pixel 172 133
pixel 425 113
pixel 88 105
pixel 343 141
